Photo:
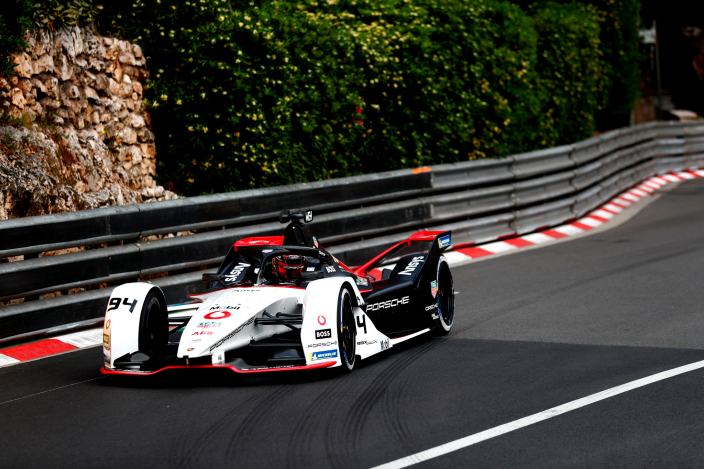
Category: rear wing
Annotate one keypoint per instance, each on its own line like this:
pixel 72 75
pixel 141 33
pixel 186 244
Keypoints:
pixel 431 242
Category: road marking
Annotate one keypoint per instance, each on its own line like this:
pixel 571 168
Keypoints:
pixel 5 360
pixel 589 221
pixel 568 230
pixel 46 391
pixel 498 246
pixel 475 438
pixel 613 208
pixel 83 339
pixel 538 238
pixel 603 214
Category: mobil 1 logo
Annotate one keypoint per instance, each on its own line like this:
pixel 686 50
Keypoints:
pixel 323 334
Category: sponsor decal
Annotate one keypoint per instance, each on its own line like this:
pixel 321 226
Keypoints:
pixel 330 269
pixel 323 354
pixel 388 304
pixel 208 324
pixel 217 315
pixel 435 316
pixel 115 303
pixel 309 216
pixel 106 341
pixel 362 323
pixel 434 288
pixel 236 272
pixel 218 307
pixel 411 267
pixel 202 333
pixel 108 323
pixel 444 240
pixel 431 307
pixel 384 344
pixel 322 344
pixel 321 320
pixel 323 334
pixel 232 334
pixel 367 342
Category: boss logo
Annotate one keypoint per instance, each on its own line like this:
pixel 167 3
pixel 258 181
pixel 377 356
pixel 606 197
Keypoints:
pixel 323 334
pixel 388 304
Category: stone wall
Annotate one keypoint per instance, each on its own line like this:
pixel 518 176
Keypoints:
pixel 74 133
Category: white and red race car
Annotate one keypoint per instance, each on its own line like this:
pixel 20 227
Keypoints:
pixel 283 303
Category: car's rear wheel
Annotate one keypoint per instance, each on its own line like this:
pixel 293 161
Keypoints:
pixel 445 299
pixel 153 325
pixel 346 331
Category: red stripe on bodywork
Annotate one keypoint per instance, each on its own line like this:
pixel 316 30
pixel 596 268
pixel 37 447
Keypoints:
pixel 39 349
pixel 519 242
pixel 554 234
pixel 475 252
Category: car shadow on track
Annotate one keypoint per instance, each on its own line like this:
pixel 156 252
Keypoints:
pixel 200 378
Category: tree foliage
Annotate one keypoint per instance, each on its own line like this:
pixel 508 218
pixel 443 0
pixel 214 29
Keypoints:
pixel 261 92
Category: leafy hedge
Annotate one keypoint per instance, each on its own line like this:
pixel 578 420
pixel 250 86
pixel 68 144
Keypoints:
pixel 569 47
pixel 246 94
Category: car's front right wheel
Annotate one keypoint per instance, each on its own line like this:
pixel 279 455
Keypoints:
pixel 346 331
pixel 445 299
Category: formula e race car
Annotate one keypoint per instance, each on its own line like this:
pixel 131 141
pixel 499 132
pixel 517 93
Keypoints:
pixel 284 303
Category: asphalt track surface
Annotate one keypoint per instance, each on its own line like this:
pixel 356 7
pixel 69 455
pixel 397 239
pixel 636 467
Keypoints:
pixel 533 330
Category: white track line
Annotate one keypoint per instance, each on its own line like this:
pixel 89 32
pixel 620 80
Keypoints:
pixel 568 230
pixel 589 221
pixel 685 175
pixel 5 360
pixel 83 339
pixel 470 440
pixel 603 214
pixel 538 238
pixel 613 208
pixel 498 246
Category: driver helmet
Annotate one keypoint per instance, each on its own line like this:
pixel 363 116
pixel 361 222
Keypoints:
pixel 287 267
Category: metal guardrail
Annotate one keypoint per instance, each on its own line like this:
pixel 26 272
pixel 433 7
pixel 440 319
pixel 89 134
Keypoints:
pixel 172 243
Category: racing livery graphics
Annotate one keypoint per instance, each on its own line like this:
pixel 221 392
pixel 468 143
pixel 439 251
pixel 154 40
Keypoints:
pixel 284 303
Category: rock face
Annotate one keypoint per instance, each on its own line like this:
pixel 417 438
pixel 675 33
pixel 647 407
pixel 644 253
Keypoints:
pixel 80 135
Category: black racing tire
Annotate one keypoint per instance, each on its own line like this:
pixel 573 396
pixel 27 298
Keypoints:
pixel 445 299
pixel 153 325
pixel 346 331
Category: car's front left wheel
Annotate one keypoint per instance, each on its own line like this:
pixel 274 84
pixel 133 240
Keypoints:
pixel 153 325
